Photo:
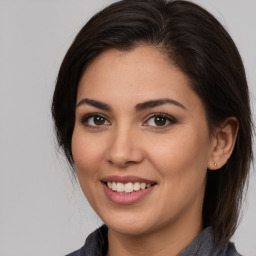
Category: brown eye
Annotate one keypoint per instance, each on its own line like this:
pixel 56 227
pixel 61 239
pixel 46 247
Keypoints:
pixel 95 120
pixel 99 120
pixel 160 121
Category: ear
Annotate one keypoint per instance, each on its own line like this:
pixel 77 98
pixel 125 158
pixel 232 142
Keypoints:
pixel 223 143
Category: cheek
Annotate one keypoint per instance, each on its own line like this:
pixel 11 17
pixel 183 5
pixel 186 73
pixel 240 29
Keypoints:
pixel 86 154
pixel 183 155
pixel 87 158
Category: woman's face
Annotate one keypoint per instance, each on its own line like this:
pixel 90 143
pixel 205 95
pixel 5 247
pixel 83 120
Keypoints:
pixel 139 124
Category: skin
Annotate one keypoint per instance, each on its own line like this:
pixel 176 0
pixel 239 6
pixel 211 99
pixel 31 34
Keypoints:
pixel 175 155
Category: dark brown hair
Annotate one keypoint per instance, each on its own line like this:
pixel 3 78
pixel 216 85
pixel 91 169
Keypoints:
pixel 199 45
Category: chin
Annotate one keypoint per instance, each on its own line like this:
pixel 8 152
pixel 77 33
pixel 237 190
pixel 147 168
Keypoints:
pixel 129 224
pixel 128 229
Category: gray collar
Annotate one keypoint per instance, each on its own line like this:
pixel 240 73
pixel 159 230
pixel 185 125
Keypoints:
pixel 204 244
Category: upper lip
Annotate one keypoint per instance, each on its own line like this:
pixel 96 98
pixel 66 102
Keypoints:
pixel 126 179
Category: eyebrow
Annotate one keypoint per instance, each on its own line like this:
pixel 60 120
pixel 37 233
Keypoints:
pixel 156 103
pixel 95 103
pixel 139 107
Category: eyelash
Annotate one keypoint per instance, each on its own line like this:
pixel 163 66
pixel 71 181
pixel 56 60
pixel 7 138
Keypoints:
pixel 85 118
pixel 168 118
pixel 171 120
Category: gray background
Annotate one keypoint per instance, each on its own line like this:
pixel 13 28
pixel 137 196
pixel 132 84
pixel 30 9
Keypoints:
pixel 42 212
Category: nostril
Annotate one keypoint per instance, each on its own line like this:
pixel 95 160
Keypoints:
pixel 121 163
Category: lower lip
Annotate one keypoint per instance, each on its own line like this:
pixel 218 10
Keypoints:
pixel 126 198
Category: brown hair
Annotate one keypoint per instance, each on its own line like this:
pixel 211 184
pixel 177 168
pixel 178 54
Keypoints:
pixel 199 45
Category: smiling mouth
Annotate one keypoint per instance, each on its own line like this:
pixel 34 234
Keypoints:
pixel 128 187
pixel 126 190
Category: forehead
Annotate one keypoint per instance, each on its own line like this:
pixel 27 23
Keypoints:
pixel 138 75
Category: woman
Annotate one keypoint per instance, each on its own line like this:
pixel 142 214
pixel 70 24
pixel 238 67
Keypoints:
pixel 151 108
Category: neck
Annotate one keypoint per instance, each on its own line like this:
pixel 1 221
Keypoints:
pixel 167 240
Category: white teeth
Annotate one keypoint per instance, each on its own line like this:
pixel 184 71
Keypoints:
pixel 119 187
pixel 136 186
pixel 113 186
pixel 127 187
pixel 143 185
pixel 109 184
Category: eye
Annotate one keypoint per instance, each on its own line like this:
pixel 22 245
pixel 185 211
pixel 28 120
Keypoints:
pixel 160 120
pixel 95 120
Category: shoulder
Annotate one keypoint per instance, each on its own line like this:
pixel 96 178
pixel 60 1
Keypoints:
pixel 231 250
pixel 205 245
pixel 96 244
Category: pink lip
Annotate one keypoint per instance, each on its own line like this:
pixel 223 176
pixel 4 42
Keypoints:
pixel 126 198
pixel 126 179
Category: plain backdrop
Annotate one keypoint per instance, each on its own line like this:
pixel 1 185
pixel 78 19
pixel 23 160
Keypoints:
pixel 42 211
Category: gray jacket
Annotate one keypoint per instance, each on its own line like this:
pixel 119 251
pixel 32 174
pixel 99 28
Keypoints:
pixel 96 244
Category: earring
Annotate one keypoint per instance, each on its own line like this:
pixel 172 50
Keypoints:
pixel 215 164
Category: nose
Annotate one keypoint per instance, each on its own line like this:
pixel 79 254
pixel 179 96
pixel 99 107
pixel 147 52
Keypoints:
pixel 124 148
